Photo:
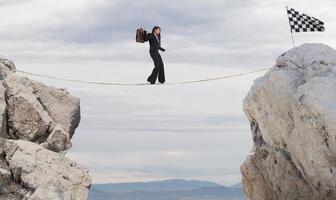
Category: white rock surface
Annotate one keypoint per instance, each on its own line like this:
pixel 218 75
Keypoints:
pixel 6 67
pixel 36 125
pixel 49 174
pixel 63 108
pixel 292 114
pixel 27 119
pixel 3 112
pixel 36 112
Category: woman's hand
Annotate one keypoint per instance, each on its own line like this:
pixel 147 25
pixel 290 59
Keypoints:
pixel 162 49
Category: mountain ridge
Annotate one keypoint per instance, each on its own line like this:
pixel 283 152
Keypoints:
pixel 200 190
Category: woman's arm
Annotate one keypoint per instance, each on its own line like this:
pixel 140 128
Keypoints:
pixel 147 36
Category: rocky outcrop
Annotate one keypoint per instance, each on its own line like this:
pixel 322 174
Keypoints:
pixel 37 123
pixel 292 114
pixel 35 112
pixel 45 172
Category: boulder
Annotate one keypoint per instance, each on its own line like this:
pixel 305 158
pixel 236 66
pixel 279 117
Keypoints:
pixel 58 140
pixel 292 116
pixel 49 174
pixel 6 67
pixel 63 108
pixel 8 63
pixel 27 119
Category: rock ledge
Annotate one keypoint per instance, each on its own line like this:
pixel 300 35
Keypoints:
pixel 37 123
pixel 292 114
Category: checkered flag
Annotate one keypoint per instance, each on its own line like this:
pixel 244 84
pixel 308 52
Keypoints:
pixel 303 23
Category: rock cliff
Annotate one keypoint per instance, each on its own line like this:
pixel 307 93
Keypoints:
pixel 292 114
pixel 37 123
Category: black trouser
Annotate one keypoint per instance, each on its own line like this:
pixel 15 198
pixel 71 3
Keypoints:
pixel 158 69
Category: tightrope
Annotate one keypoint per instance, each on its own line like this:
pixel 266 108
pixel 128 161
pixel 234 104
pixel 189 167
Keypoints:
pixel 139 84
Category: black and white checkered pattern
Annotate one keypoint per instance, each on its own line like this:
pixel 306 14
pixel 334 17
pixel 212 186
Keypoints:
pixel 303 23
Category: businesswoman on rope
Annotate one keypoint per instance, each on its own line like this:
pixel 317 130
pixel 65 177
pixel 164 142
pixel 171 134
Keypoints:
pixel 154 39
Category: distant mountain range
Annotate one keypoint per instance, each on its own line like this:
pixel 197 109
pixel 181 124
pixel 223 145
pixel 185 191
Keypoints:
pixel 175 189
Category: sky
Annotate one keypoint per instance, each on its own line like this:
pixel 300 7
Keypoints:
pixel 146 133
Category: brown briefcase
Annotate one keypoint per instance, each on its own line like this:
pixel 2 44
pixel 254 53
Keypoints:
pixel 140 35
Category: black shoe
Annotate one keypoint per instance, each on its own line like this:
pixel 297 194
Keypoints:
pixel 152 83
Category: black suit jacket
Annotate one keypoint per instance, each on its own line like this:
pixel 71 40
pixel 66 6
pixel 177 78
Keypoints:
pixel 154 44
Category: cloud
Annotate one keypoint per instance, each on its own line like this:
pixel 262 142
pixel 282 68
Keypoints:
pixel 13 2
pixel 188 28
pixel 212 33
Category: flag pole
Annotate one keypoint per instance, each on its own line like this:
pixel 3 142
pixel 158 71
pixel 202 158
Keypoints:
pixel 290 27
pixel 293 39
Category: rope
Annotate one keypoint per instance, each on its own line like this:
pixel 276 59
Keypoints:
pixel 138 84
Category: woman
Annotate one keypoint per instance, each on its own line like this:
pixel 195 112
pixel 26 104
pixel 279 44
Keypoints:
pixel 154 39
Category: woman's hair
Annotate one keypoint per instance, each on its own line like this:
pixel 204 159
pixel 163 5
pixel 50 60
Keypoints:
pixel 155 28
